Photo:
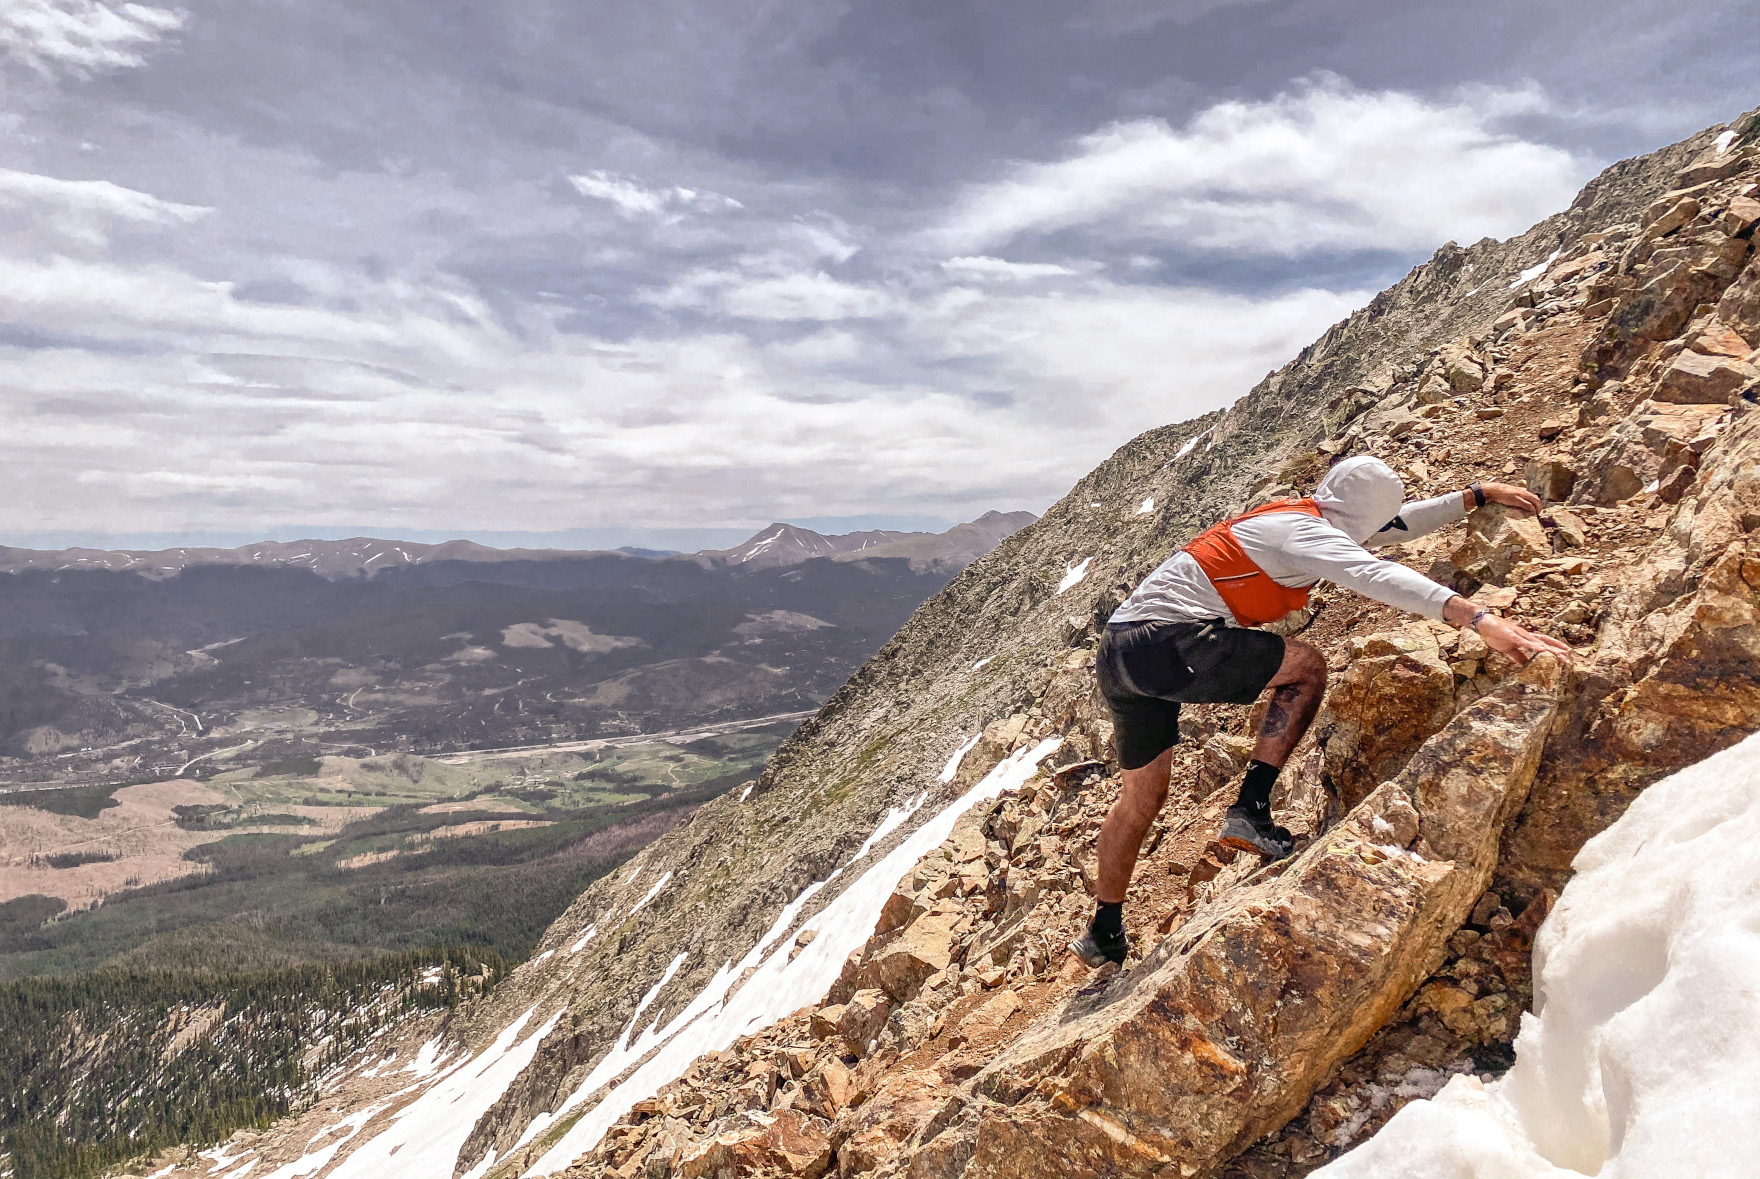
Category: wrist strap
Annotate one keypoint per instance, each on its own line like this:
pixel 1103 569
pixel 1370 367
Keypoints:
pixel 1478 495
pixel 1474 622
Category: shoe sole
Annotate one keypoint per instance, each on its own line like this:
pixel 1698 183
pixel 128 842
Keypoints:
pixel 1091 963
pixel 1239 844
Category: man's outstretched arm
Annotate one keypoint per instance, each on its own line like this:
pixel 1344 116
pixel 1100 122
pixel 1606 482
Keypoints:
pixel 1500 634
pixel 1424 516
pixel 1321 550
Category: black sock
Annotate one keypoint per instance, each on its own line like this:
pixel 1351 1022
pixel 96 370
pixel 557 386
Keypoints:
pixel 1108 920
pixel 1256 788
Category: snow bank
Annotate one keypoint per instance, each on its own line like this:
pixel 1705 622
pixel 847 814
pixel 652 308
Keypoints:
pixel 777 987
pixel 429 1059
pixel 1073 574
pixel 895 818
pixel 1644 1057
pixel 424 1137
pixel 314 1161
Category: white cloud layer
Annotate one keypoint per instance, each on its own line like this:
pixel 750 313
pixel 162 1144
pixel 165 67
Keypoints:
pixel 670 367
pixel 81 36
pixel 634 199
pixel 983 267
pixel 1322 167
pixel 84 209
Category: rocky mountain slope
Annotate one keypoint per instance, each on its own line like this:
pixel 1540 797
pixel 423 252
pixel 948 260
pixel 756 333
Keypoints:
pixel 857 965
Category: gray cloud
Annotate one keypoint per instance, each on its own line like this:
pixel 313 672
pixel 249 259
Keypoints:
pixel 520 268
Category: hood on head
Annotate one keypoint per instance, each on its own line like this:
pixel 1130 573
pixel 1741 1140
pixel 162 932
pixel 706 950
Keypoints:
pixel 1360 496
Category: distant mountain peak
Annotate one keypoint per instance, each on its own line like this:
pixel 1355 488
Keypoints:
pixel 778 543
pixel 781 543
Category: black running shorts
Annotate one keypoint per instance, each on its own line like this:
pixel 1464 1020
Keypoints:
pixel 1148 669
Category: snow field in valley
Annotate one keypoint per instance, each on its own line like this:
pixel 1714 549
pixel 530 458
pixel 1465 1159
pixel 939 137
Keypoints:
pixel 714 1019
pixel 1643 1057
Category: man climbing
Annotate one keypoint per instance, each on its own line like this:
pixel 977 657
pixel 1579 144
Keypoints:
pixel 1184 636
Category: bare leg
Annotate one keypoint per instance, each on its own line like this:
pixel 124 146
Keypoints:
pixel 1296 690
pixel 1121 836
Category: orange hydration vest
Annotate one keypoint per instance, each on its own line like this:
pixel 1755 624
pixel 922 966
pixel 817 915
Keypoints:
pixel 1247 590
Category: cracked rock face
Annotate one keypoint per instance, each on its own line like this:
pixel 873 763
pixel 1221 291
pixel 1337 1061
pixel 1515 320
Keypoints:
pixel 1396 692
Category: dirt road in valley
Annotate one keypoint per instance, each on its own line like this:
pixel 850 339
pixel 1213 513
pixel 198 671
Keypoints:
pixel 674 736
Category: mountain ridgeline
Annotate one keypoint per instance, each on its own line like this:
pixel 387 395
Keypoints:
pixel 128 666
pixel 856 965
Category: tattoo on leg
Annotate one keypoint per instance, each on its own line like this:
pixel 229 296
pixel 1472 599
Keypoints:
pixel 1285 702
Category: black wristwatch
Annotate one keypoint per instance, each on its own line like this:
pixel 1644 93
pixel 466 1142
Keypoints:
pixel 1478 495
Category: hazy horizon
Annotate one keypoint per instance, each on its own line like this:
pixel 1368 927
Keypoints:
pixel 675 539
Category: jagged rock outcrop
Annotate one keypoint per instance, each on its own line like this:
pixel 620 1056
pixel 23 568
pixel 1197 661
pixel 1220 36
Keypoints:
pixel 1223 1031
pixel 1396 692
pixel 1275 1017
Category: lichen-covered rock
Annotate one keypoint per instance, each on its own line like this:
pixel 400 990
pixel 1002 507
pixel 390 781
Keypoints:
pixel 1697 378
pixel 785 1143
pixel 1396 692
pixel 1550 477
pixel 926 947
pixel 1498 539
pixel 859 1021
pixel 915 1104
pixel 1221 759
pixel 1740 306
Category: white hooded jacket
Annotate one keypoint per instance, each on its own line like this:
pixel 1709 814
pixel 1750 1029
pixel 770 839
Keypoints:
pixel 1358 499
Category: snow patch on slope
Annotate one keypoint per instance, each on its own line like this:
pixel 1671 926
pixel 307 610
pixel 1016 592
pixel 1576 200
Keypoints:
pixel 424 1137
pixel 959 755
pixel 777 987
pixel 652 893
pixel 1644 1057
pixel 428 1059
pixel 1073 574
pixel 895 817
pixel 316 1160
pixel 1535 271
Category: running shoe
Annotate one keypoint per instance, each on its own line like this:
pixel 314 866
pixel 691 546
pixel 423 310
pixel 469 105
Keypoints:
pixel 1247 831
pixel 1096 952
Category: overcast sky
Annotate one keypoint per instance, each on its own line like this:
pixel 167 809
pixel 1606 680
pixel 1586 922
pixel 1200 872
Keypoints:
pixel 428 267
